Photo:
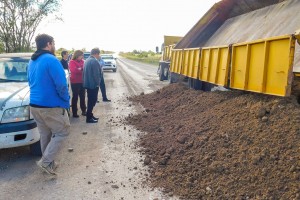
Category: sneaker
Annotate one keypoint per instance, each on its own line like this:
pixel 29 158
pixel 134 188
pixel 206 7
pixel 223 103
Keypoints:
pixel 75 116
pixel 91 120
pixel 48 169
pixel 95 118
pixel 106 100
pixel 83 113
pixel 54 165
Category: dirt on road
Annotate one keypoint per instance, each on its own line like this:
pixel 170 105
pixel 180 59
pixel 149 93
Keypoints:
pixel 220 145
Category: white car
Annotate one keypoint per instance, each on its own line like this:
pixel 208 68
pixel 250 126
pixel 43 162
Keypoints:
pixel 109 62
pixel 17 126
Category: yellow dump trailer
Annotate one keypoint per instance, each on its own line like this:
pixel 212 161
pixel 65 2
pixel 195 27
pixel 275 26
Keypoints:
pixel 164 64
pixel 242 44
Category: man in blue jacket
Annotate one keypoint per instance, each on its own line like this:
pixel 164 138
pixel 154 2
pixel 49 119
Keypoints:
pixel 102 83
pixel 49 99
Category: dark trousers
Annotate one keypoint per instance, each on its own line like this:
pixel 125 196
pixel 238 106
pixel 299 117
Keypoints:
pixel 92 100
pixel 103 88
pixel 78 90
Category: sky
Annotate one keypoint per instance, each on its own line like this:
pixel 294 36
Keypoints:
pixel 122 25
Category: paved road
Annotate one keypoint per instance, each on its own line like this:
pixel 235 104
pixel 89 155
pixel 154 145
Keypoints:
pixel 105 163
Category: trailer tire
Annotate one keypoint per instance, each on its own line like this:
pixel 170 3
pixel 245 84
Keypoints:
pixel 161 75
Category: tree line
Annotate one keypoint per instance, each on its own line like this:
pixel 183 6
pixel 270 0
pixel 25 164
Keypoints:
pixel 19 20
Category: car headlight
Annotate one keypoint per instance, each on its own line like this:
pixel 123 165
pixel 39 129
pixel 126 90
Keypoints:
pixel 16 114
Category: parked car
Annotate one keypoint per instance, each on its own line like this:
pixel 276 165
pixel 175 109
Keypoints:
pixel 17 126
pixel 109 62
pixel 86 55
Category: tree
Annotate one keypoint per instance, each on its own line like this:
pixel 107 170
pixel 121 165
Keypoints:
pixel 19 20
pixel 1 47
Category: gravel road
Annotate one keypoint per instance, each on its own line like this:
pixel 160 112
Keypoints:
pixel 105 162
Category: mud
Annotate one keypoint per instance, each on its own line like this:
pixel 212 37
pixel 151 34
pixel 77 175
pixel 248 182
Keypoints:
pixel 220 145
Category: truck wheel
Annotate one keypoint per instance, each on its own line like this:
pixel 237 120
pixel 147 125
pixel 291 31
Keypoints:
pixel 35 149
pixel 161 74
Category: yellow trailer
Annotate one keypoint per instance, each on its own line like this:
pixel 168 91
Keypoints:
pixel 242 44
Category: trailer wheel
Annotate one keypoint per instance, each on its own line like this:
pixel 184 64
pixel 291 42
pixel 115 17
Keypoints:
pixel 161 74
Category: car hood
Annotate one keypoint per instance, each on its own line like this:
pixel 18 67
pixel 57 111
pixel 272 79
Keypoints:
pixel 13 94
pixel 109 60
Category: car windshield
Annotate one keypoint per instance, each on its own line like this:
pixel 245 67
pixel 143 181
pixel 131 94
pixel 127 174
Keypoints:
pixel 13 71
pixel 107 57
pixel 86 55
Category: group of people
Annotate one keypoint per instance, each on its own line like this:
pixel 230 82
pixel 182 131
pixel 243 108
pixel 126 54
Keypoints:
pixel 50 98
pixel 85 76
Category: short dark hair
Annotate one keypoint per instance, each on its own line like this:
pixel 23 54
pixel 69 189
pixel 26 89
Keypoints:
pixel 42 40
pixel 95 51
pixel 63 53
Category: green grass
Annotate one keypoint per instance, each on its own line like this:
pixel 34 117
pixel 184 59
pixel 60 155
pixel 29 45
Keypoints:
pixel 150 59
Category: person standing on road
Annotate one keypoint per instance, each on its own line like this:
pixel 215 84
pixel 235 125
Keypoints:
pixel 64 60
pixel 76 68
pixel 49 99
pixel 91 81
pixel 102 83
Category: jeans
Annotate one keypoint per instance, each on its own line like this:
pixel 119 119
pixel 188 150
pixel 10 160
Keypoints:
pixel 103 88
pixel 78 90
pixel 92 100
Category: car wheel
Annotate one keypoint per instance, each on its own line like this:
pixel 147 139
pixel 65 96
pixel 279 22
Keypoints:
pixel 35 149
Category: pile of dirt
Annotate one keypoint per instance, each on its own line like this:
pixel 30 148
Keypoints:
pixel 220 145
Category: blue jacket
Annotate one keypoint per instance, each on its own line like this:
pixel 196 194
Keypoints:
pixel 47 81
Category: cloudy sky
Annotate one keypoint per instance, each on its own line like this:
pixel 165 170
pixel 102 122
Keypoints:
pixel 123 25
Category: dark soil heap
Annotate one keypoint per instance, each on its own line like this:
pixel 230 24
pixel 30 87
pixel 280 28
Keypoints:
pixel 220 145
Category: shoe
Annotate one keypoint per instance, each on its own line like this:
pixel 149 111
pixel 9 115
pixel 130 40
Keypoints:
pixel 75 116
pixel 95 118
pixel 98 101
pixel 83 113
pixel 91 120
pixel 48 169
pixel 54 165
pixel 106 100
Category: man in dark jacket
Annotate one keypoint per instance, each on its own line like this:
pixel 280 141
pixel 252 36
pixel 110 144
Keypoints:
pixel 91 80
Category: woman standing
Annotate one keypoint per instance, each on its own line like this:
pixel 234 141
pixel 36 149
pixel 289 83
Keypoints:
pixel 76 69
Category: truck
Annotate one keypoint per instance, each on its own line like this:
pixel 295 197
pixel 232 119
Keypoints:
pixel 164 64
pixel 248 45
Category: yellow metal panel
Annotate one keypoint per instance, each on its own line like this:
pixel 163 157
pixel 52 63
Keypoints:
pixel 165 53
pixel 223 66
pixel 263 66
pixel 256 67
pixel 238 68
pixel 191 62
pixel 176 61
pixel 195 63
pixel 279 67
pixel 214 65
pixel 185 62
pixel 173 59
pixel 204 64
